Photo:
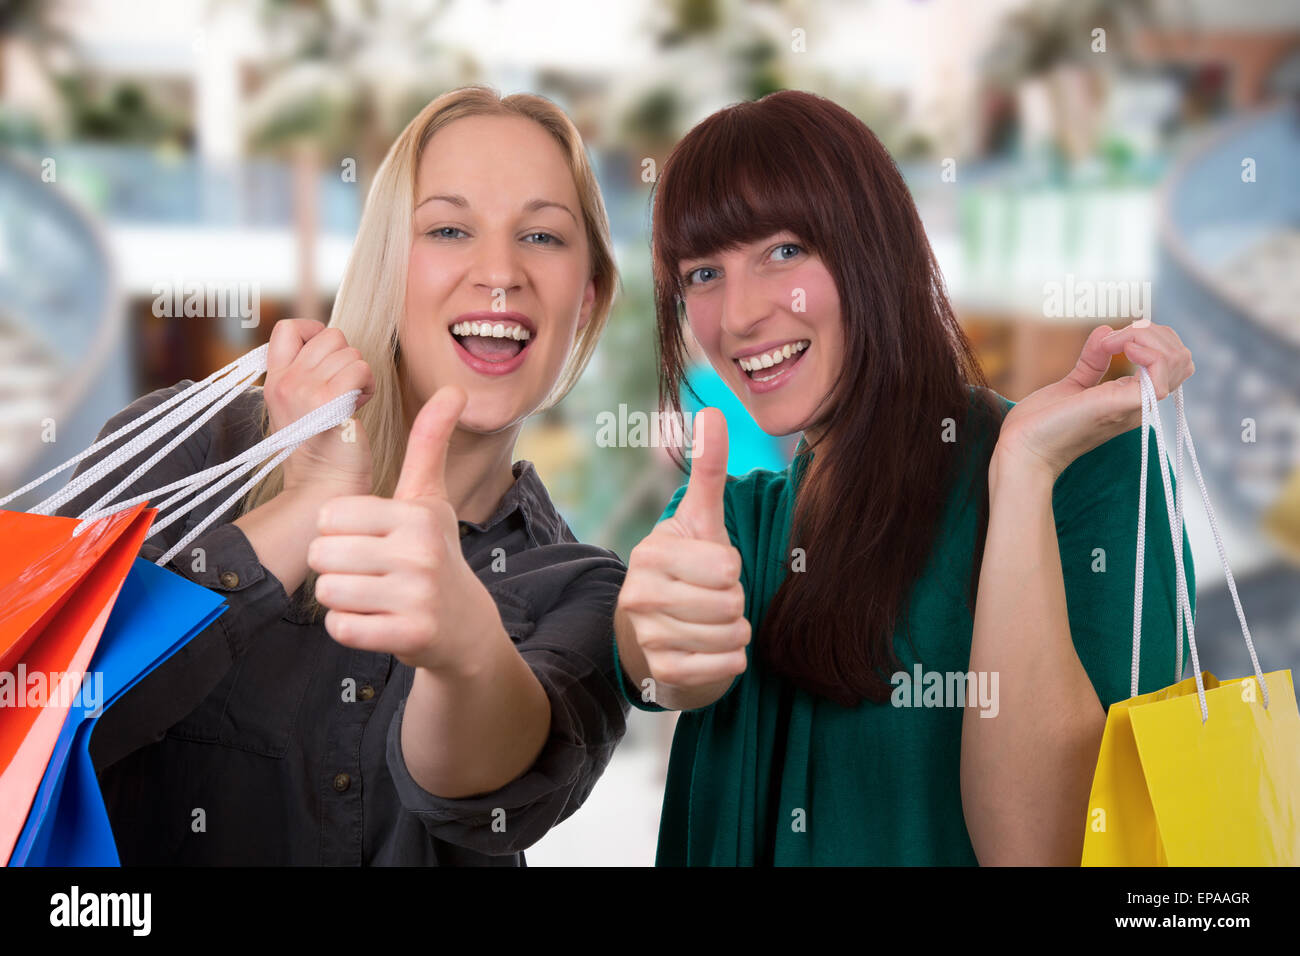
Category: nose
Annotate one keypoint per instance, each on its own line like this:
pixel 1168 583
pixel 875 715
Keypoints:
pixel 744 304
pixel 496 264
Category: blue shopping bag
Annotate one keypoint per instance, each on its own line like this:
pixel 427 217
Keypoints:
pixel 156 613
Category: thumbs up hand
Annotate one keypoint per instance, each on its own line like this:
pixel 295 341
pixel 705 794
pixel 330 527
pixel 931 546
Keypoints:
pixel 391 570
pixel 682 596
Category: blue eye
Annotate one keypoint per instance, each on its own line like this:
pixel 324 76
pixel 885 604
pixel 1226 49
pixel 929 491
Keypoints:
pixel 790 247
pixel 701 271
pixel 548 239
pixel 442 232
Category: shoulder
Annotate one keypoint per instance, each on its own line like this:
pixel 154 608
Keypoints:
pixel 547 526
pixel 1117 459
pixel 143 405
pixel 231 429
pixel 754 486
pixel 989 406
pixel 1107 477
pixel 244 411
pixel 756 492
pixel 558 562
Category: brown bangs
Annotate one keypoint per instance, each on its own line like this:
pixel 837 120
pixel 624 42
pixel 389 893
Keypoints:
pixel 724 187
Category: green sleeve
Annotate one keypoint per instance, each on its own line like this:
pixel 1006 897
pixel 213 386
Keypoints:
pixel 1095 504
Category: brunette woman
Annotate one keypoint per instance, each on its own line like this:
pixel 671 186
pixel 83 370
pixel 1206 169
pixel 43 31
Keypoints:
pixel 900 649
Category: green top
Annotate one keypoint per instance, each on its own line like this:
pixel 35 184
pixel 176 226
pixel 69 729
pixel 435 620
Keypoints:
pixel 772 774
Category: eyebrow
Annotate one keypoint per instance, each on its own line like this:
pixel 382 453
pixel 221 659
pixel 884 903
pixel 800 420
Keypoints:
pixel 531 206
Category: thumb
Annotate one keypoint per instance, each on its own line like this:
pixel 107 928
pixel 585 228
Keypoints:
pixel 701 509
pixel 424 469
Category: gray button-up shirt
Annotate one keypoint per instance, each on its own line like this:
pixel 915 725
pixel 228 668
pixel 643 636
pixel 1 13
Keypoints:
pixel 290 743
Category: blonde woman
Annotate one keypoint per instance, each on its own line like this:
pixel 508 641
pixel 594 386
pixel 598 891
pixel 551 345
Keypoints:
pixel 440 688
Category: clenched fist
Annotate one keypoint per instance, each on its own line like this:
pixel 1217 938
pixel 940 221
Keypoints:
pixel 682 596
pixel 308 365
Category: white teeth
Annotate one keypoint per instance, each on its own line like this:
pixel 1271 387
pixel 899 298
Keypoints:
pixel 775 357
pixel 488 330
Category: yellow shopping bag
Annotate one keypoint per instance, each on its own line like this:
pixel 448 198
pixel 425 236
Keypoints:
pixel 1204 772
pixel 1173 791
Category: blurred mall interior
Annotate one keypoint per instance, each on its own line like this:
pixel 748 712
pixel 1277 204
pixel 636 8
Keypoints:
pixel 162 143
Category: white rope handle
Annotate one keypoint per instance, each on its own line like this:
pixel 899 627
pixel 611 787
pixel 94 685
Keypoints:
pixel 208 397
pixel 1183 610
pixel 280 445
pixel 130 451
pixel 180 407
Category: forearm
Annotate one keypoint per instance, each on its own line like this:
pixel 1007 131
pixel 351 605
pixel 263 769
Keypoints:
pixel 1026 773
pixel 281 530
pixel 474 731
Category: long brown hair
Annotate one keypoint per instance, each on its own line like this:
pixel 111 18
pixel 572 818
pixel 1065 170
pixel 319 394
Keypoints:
pixel 868 506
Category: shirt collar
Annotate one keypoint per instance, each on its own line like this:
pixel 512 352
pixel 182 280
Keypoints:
pixel 529 497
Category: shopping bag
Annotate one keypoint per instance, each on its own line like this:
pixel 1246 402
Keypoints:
pixel 48 678
pixel 60 585
pixel 41 564
pixel 1203 772
pixel 156 613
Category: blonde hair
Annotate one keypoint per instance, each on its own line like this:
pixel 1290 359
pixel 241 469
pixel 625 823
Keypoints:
pixel 371 297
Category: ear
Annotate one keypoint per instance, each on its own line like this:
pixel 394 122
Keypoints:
pixel 588 303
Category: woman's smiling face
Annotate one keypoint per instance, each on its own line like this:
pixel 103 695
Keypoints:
pixel 767 314
pixel 499 276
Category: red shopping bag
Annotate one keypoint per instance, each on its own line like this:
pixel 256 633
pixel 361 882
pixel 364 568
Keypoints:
pixel 41 564
pixel 56 594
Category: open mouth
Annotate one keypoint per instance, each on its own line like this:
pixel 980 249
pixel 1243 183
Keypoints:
pixel 771 365
pixel 492 347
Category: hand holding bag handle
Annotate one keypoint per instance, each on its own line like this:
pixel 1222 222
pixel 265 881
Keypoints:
pixel 210 395
pixel 1183 611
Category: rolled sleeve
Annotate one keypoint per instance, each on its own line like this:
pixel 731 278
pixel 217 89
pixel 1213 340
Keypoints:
pixel 570 655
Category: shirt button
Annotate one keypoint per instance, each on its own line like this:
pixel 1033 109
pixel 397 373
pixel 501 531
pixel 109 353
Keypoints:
pixel 229 579
pixel 341 782
pixel 367 692
pixel 464 529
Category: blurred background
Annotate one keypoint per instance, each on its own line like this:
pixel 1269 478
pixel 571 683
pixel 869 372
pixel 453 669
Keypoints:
pixel 164 145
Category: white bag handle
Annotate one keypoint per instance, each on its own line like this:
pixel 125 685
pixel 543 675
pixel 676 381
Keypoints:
pixel 214 392
pixel 190 400
pixel 1183 611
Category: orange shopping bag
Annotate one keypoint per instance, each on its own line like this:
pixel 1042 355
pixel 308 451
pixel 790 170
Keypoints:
pixel 56 595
